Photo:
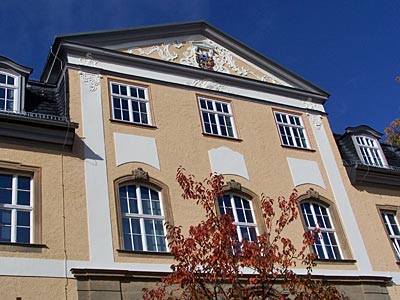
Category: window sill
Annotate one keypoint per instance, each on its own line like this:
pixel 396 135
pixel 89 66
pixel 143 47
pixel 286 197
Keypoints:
pixel 298 148
pixel 19 247
pixel 133 124
pixel 335 261
pixel 222 137
pixel 130 253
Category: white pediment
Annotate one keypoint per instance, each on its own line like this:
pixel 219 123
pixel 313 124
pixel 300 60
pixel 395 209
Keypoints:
pixel 200 52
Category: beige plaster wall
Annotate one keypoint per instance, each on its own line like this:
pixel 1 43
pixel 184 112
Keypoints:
pixel 180 141
pixel 38 288
pixel 53 167
pixel 62 193
pixel 365 202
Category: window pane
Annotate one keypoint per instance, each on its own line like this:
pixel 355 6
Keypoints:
pixel 159 228
pixel 24 183
pixel 134 92
pixel 127 241
pixel 135 223
pixel 141 93
pixel 151 243
pixel 23 235
pixel 123 90
pixel 23 218
pixel 161 244
pixel 23 198
pixel 148 224
pixel 6 181
pixel 5 234
pixel 137 243
pixel 5 217
pixel 5 196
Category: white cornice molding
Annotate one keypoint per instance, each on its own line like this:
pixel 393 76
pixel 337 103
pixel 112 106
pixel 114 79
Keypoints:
pixel 242 90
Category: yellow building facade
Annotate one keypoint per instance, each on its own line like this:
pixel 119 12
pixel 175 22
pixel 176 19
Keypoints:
pixel 90 153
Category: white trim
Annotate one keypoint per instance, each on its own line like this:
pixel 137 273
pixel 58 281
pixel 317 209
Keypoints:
pixel 339 191
pixel 98 206
pixel 192 81
pixel 33 267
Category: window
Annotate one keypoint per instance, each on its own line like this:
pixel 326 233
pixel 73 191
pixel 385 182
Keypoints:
pixel 16 208
pixel 242 212
pixel 8 92
pixel 130 103
pixel 217 117
pixel 370 151
pixel 142 218
pixel 326 245
pixel 291 130
pixel 392 228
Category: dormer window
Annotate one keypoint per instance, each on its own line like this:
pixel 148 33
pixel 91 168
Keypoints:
pixel 369 151
pixel 13 78
pixel 8 92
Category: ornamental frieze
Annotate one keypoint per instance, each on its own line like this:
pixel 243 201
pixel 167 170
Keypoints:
pixel 206 55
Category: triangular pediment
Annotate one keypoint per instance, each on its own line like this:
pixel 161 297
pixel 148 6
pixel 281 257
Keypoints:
pixel 197 45
pixel 203 53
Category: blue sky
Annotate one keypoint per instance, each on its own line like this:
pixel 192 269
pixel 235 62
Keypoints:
pixel 351 49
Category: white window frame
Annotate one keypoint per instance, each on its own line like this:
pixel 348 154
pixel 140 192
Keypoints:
pixel 130 99
pixel 14 207
pixel 236 222
pixel 291 130
pixel 15 88
pixel 213 111
pixel 142 218
pixel 391 230
pixel 324 229
pixel 369 151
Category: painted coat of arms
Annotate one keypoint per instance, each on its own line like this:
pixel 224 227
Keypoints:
pixel 205 58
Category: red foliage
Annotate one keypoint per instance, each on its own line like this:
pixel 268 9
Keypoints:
pixel 211 263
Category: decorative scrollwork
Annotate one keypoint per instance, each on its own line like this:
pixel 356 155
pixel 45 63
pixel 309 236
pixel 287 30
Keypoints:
pixel 92 80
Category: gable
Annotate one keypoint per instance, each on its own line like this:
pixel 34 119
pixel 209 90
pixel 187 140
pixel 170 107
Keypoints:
pixel 201 52
pixel 195 44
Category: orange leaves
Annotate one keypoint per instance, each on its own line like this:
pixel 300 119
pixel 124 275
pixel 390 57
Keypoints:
pixel 393 132
pixel 211 263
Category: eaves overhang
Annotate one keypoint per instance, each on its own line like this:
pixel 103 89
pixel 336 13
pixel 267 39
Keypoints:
pixel 364 175
pixel 101 54
pixel 36 130
pixel 8 63
pixel 100 40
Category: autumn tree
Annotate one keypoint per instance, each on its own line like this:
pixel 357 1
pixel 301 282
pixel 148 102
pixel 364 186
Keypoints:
pixel 393 132
pixel 212 263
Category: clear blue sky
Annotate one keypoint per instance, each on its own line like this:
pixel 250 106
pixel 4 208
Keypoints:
pixel 351 49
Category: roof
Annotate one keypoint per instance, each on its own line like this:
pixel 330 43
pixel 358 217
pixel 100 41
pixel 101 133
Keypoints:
pixel 105 42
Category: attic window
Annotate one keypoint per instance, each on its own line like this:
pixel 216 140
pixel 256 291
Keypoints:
pixel 369 151
pixel 8 92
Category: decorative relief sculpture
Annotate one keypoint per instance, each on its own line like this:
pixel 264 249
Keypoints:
pixel 311 193
pixel 316 120
pixel 162 51
pixel 139 174
pixel 89 61
pixel 233 185
pixel 206 55
pixel 90 79
pixel 209 84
